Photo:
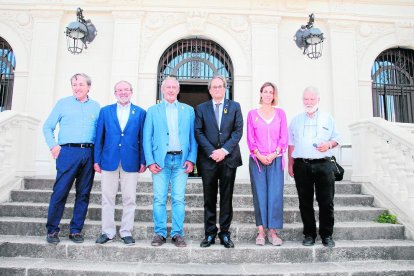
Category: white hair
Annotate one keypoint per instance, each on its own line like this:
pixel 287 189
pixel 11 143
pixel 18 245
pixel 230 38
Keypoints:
pixel 313 90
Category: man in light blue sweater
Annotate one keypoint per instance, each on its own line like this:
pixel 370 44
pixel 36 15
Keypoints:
pixel 77 116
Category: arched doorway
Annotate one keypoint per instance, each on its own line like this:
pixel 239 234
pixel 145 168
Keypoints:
pixel 393 85
pixel 194 62
pixel 7 66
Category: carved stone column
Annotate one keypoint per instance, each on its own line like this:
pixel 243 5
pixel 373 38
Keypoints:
pixel 43 61
pixel 342 40
pixel 41 85
pixel 126 49
pixel 265 52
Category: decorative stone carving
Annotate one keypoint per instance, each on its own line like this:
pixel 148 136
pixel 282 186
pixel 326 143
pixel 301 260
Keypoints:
pixel 239 24
pixel 21 23
pixel 154 25
pixel 23 19
pixel 242 33
pixel 196 21
pixel 368 33
pixel 404 32
pixel 154 21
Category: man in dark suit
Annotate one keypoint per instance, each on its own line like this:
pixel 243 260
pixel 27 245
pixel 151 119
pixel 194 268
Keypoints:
pixel 218 130
pixel 119 156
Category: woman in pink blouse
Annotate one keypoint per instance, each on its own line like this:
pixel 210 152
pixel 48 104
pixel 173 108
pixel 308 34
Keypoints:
pixel 267 139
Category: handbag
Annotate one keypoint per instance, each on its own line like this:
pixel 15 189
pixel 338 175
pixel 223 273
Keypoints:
pixel 337 169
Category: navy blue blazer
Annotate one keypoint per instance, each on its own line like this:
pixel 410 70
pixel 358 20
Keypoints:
pixel 210 138
pixel 113 145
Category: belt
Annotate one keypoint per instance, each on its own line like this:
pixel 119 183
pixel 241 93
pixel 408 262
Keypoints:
pixel 311 161
pixel 175 152
pixel 78 145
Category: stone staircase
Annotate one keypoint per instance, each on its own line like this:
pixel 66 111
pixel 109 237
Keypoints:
pixel 363 247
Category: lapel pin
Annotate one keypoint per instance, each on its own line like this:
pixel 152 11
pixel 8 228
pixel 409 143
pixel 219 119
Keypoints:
pixel 225 110
pixel 133 112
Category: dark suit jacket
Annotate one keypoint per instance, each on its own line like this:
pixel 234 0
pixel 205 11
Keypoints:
pixel 209 137
pixel 113 145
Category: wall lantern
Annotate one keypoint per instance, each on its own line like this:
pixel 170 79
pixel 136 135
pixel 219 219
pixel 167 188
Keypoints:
pixel 79 33
pixel 310 39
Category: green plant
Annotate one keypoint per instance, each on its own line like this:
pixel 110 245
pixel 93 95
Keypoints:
pixel 386 217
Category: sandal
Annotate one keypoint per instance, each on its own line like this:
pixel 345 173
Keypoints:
pixel 274 239
pixel 260 239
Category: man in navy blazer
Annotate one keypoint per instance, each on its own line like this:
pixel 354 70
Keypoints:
pixel 171 151
pixel 119 156
pixel 218 130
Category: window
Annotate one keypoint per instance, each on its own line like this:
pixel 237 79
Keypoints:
pixel 393 85
pixel 7 66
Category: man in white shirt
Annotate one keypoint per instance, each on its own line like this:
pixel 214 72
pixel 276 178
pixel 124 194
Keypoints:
pixel 312 135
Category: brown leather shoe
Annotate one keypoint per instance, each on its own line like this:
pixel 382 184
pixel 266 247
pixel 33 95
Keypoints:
pixel 157 240
pixel 178 241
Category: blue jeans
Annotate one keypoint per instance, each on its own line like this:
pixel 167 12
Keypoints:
pixel 72 163
pixel 172 172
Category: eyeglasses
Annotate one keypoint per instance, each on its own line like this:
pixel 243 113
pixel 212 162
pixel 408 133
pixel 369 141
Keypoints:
pixel 123 90
pixel 217 87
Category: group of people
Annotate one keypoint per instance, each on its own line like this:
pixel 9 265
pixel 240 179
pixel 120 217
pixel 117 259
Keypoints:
pixel 121 140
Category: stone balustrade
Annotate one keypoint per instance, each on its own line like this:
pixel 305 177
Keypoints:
pixel 18 134
pixel 383 157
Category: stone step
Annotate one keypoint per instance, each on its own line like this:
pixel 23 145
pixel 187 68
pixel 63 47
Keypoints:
pixel 142 251
pixel 195 231
pixel 193 215
pixel 41 266
pixel 194 186
pixel 192 200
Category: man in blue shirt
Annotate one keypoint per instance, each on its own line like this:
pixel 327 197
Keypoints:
pixel 170 152
pixel 312 135
pixel 77 116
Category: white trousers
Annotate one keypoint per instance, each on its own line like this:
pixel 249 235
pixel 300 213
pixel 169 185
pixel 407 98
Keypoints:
pixel 110 182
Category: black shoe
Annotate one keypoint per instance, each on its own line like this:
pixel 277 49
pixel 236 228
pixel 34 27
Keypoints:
pixel 208 240
pixel 103 239
pixel 226 241
pixel 76 237
pixel 128 240
pixel 328 241
pixel 53 238
pixel 308 241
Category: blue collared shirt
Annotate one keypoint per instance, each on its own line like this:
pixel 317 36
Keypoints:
pixel 306 132
pixel 122 112
pixel 171 111
pixel 77 122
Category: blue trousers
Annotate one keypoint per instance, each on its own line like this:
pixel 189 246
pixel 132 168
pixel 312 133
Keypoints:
pixel 72 164
pixel 267 189
pixel 174 173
